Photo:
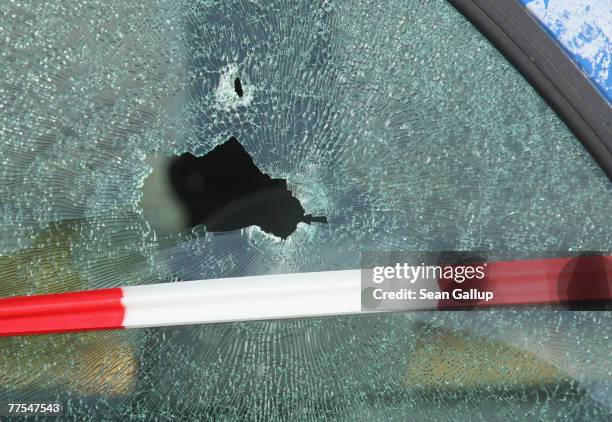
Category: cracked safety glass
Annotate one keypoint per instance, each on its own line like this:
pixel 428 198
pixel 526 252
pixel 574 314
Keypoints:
pixel 157 141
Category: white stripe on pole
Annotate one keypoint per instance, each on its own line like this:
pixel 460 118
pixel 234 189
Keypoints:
pixel 243 299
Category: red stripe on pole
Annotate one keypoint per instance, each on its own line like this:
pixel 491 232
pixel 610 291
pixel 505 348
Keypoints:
pixel 576 279
pixel 62 312
pixel 559 280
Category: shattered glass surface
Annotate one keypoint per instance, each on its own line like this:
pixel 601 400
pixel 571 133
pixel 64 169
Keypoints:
pixel 397 121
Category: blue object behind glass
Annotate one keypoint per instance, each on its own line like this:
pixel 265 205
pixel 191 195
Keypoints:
pixel 584 29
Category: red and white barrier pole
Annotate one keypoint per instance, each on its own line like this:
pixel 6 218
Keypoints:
pixel 282 296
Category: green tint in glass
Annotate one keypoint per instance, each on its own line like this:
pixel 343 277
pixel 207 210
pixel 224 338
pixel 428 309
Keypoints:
pixel 397 121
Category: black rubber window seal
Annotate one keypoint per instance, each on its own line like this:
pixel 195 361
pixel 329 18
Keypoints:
pixel 511 28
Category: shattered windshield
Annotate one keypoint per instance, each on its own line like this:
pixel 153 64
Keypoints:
pixel 383 126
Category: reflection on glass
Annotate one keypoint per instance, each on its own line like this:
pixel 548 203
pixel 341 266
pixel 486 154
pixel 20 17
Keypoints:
pixel 396 121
